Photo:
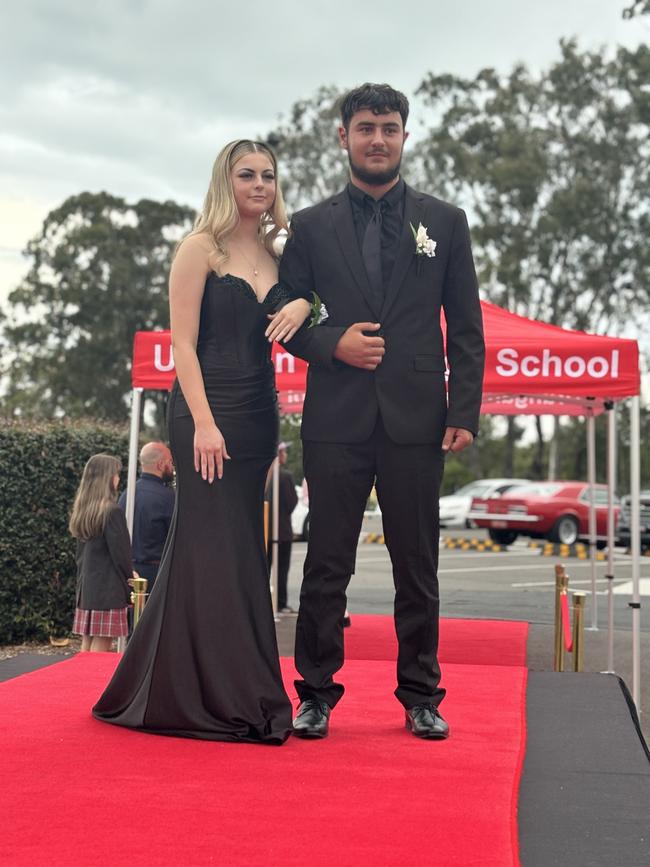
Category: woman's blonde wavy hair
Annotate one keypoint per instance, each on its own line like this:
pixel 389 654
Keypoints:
pixel 220 216
pixel 95 496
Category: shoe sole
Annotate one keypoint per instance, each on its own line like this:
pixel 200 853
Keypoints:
pixel 427 736
pixel 431 737
pixel 309 735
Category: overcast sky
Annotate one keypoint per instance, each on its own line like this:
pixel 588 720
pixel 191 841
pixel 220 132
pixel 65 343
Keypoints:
pixel 137 96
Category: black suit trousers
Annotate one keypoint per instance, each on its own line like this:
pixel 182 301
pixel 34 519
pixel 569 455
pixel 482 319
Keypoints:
pixel 340 477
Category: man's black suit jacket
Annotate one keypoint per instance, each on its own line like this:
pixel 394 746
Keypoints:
pixel 408 388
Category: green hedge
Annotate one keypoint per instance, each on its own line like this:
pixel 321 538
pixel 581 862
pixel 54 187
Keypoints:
pixel 40 467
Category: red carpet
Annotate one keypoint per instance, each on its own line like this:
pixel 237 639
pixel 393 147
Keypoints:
pixel 76 791
pixel 474 642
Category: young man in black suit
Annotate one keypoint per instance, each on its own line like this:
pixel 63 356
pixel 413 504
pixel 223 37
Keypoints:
pixel 376 409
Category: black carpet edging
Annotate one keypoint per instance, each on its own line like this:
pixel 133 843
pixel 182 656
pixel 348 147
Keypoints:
pixel 585 787
pixel 634 714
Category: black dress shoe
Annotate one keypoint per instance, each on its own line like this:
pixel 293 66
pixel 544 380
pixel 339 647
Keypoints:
pixel 425 722
pixel 312 719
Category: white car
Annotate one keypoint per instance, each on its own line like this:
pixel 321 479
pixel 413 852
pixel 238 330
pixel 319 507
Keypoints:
pixel 300 517
pixel 455 507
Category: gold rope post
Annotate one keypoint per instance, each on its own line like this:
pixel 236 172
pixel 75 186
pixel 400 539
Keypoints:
pixel 561 586
pixel 579 600
pixel 138 597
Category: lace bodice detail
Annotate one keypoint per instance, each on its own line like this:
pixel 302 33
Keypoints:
pixel 233 323
pixel 278 293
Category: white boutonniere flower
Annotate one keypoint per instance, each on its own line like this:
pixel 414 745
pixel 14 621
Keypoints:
pixel 424 246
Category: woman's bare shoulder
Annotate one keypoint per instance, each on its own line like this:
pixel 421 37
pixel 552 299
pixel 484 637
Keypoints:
pixel 200 241
pixel 196 249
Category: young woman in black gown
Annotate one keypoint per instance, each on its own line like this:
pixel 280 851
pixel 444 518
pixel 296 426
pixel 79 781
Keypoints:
pixel 203 660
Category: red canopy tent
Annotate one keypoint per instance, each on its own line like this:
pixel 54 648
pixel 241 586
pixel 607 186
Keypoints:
pixel 543 365
pixel 531 368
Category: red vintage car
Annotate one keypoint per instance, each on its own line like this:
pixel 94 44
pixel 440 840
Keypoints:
pixel 558 511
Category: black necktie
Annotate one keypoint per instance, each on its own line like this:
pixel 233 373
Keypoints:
pixel 371 253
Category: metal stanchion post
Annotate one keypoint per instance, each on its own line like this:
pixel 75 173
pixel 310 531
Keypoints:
pixel 561 584
pixel 138 597
pixel 579 600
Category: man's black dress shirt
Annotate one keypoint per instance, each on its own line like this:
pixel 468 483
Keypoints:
pixel 154 507
pixel 392 222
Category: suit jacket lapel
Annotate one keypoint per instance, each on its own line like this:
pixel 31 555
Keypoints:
pixel 413 211
pixel 346 233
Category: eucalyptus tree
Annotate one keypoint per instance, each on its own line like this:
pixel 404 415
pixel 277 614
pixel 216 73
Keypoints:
pixel 98 273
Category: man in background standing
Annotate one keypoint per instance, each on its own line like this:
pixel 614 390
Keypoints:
pixel 154 507
pixel 288 500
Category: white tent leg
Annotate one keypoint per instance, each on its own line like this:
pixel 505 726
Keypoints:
pixel 136 403
pixel 591 479
pixel 635 546
pixel 274 535
pixel 133 456
pixel 611 490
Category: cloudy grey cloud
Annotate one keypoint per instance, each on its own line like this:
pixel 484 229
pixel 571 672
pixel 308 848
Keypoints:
pixel 137 96
pixel 162 83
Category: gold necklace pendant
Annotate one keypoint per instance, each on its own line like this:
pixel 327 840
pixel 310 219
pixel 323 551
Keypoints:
pixel 252 265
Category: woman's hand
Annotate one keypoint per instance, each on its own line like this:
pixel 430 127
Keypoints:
pixel 287 321
pixel 209 451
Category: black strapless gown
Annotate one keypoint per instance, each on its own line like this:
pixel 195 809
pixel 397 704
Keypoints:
pixel 203 660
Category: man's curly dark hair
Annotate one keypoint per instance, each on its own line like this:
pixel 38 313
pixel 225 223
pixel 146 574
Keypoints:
pixel 378 98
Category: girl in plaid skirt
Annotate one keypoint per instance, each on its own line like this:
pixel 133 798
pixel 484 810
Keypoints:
pixel 103 556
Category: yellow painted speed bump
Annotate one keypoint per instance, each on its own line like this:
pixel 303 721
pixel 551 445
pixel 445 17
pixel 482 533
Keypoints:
pixel 556 549
pixel 453 542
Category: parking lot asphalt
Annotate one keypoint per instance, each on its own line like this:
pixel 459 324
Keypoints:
pixel 516 584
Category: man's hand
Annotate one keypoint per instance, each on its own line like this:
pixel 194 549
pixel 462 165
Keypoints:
pixel 456 439
pixel 359 350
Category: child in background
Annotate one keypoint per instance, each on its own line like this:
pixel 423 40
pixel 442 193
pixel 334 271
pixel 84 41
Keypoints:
pixel 103 556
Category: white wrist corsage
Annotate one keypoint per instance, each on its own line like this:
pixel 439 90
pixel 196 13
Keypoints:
pixel 318 311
